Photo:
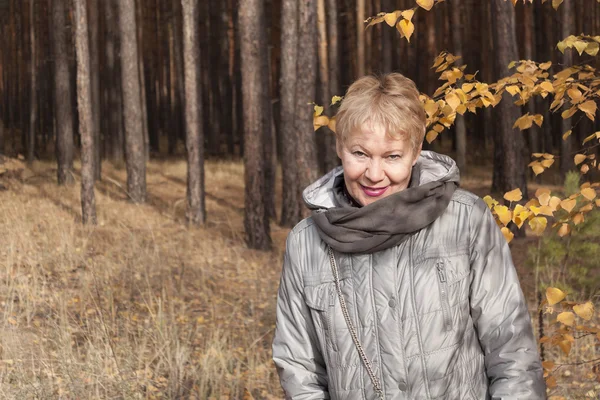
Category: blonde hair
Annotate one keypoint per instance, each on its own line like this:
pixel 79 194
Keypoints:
pixel 390 100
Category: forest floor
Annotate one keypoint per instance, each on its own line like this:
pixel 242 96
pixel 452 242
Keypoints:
pixel 142 306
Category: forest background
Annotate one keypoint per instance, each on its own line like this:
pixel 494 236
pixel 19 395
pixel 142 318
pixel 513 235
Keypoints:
pixel 152 156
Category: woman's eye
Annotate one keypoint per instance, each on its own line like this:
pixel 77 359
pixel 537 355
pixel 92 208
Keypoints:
pixel 359 154
pixel 394 157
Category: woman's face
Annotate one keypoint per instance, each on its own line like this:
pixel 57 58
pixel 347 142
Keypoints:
pixel 375 165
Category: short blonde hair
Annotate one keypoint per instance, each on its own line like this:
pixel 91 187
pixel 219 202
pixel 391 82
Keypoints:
pixel 390 100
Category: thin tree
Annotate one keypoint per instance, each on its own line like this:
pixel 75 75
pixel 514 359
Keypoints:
pixel 290 210
pixel 33 85
pixel 196 213
pixel 457 10
pixel 62 95
pixel 306 67
pixel 567 27
pixel 509 167
pixel 84 105
pixel 95 82
pixel 132 108
pixel 360 36
pixel 251 23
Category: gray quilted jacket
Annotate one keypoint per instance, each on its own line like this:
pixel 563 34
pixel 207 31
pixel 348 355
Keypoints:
pixel 440 316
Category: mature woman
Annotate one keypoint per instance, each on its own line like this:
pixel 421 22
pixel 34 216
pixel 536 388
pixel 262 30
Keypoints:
pixel 400 285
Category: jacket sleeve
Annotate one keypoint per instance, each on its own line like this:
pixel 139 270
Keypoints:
pixel 296 351
pixel 500 313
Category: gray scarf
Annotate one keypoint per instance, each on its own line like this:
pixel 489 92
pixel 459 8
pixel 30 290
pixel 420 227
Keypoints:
pixel 386 222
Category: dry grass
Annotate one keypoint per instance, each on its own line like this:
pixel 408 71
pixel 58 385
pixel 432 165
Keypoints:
pixel 139 306
pixel 142 307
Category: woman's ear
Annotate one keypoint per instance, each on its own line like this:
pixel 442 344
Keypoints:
pixel 417 154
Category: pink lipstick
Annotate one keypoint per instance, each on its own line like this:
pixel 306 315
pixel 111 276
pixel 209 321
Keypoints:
pixel 374 192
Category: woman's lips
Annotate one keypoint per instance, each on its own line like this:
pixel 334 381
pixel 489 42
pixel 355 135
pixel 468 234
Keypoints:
pixel 374 192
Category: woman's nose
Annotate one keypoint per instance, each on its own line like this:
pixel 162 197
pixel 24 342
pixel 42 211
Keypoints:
pixel 374 171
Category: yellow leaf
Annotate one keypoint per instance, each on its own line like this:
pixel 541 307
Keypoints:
pixel 467 87
pixel 548 365
pixel 431 135
pixel 580 45
pixel 537 168
pixel 452 100
pixel 508 235
pixel 547 163
pixel 564 230
pixel 566 317
pixel 554 295
pixel 566 134
pixel 320 121
pixel 568 204
pixel 554 203
pixel 408 14
pixel 585 311
pixel 538 225
pixel 574 93
pixel 588 107
pixel 545 66
pixel 391 18
pixel 547 86
pixel 565 346
pixel 318 110
pixel 592 48
pixel 544 198
pixel 584 169
pixel 568 113
pixel 407 28
pixel 589 193
pixel 503 213
pixel 426 4
pixel 513 89
pixel 538 119
pixel 335 99
pixel 490 201
pixel 556 3
pixel 595 135
pixel 579 158
pixel 514 195
pixel 578 219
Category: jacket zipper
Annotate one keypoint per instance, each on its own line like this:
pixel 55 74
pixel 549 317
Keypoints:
pixel 444 295
pixel 331 317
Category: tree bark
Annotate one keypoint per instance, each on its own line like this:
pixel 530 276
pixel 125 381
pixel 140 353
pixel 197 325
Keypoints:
pixel 62 95
pixel 457 9
pixel 567 21
pixel 306 153
pixel 134 136
pixel 252 36
pixel 360 36
pixel 290 210
pixel 195 213
pixel 33 85
pixel 508 143
pixel 86 122
pixel 95 85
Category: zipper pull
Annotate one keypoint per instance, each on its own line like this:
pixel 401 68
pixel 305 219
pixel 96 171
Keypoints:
pixel 441 272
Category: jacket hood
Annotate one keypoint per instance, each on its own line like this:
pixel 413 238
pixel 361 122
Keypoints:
pixel 432 167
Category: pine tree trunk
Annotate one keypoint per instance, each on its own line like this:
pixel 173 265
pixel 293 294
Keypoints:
pixel 84 104
pixel 326 146
pixel 95 85
pixel 195 213
pixel 457 11
pixel 33 85
pixel 508 142
pixel 251 23
pixel 360 36
pixel 567 21
pixel 62 95
pixel 290 210
pixel 134 136
pixel 306 153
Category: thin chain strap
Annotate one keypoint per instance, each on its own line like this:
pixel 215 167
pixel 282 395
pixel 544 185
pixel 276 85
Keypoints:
pixel 351 328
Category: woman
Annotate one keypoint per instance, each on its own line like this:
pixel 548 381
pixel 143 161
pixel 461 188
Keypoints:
pixel 400 285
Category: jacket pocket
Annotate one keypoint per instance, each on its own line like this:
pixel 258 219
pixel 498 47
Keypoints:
pixel 444 296
pixel 322 299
